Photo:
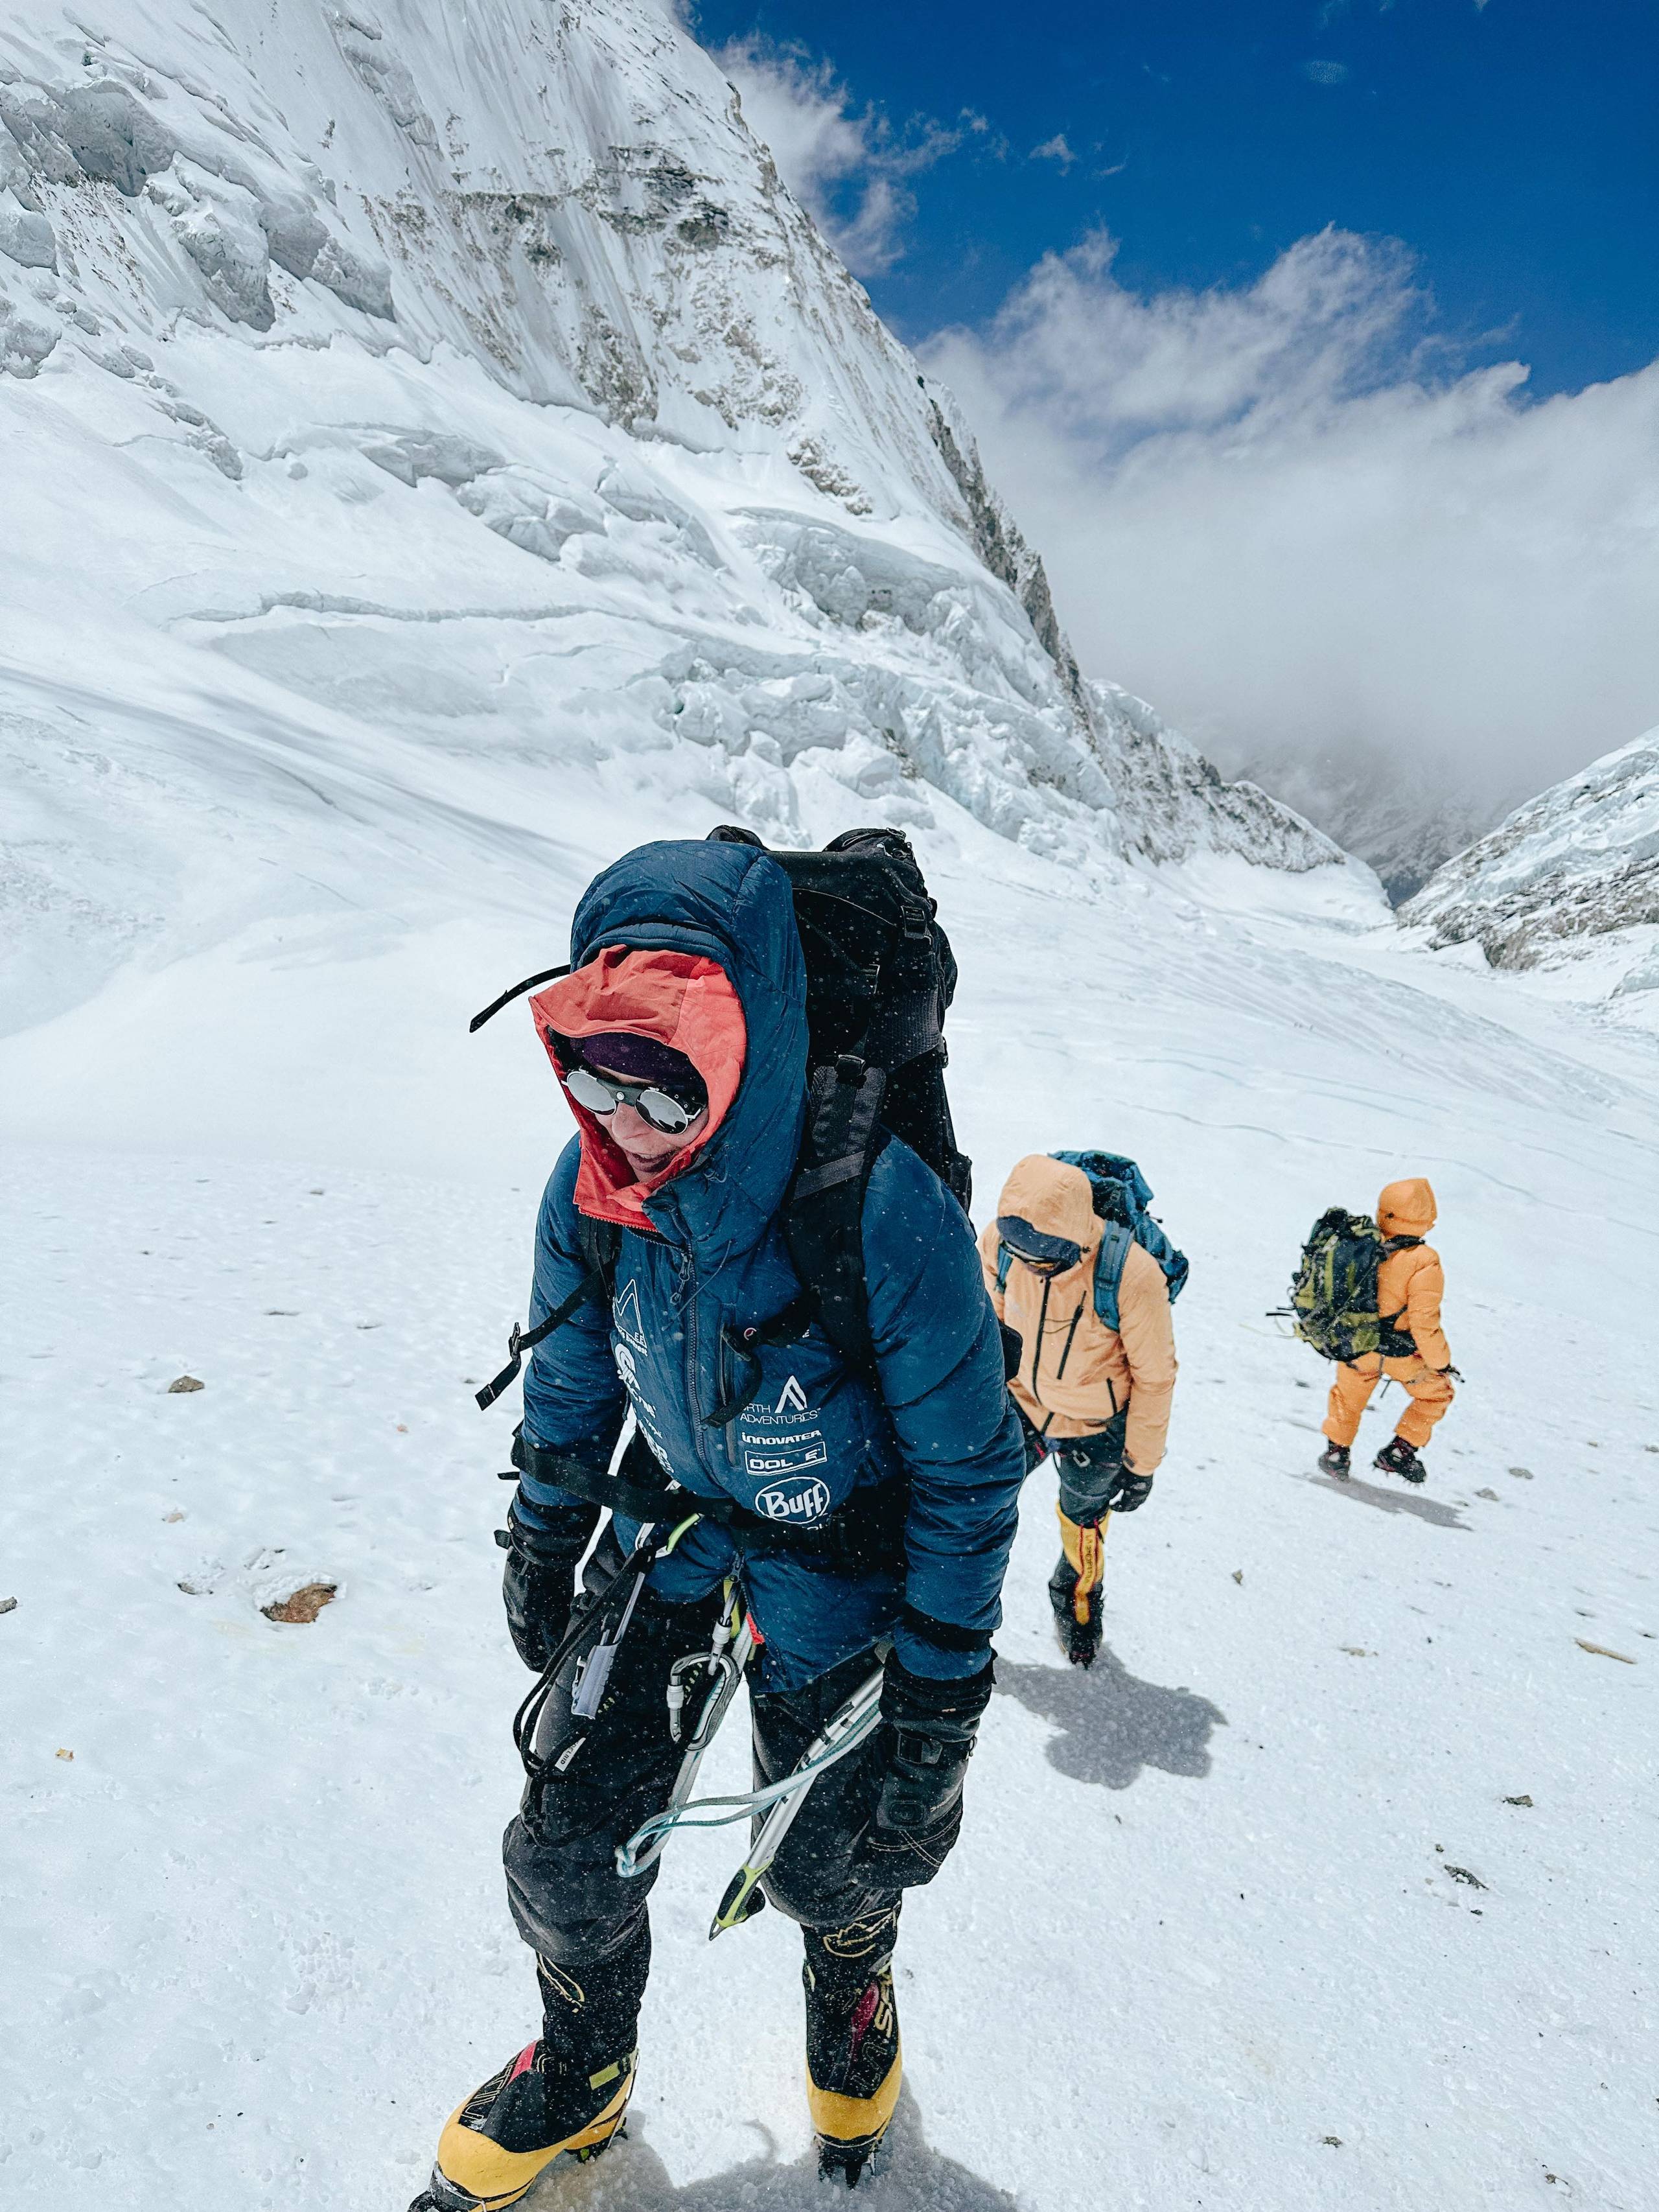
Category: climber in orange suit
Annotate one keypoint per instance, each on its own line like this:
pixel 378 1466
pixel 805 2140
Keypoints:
pixel 1410 1284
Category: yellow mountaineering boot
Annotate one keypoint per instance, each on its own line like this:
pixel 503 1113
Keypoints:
pixel 1075 1590
pixel 563 2098
pixel 853 2063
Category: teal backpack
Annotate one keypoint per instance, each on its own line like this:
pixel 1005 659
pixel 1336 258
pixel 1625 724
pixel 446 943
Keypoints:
pixel 1122 1197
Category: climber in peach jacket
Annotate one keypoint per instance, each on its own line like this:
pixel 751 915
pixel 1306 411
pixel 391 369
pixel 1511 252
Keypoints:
pixel 1094 1398
pixel 1410 1284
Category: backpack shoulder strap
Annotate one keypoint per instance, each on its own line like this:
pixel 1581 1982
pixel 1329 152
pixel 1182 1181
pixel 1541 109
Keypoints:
pixel 1108 1270
pixel 824 1212
pixel 601 1247
pixel 1005 1264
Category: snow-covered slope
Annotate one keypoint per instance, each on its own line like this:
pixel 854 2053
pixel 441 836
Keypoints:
pixel 458 400
pixel 1568 883
pixel 1213 1941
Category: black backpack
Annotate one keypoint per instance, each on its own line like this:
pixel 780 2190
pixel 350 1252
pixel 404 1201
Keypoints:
pixel 880 977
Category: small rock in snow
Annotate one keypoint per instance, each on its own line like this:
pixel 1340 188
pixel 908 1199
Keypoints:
pixel 302 1606
pixel 1519 1800
pixel 1524 1474
pixel 1463 1874
pixel 182 1383
pixel 1486 1493
pixel 175 1515
pixel 1239 1576
pixel 1335 2141
pixel 7 1605
pixel 62 1754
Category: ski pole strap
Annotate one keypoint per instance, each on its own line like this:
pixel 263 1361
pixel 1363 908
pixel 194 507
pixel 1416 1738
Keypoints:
pixel 519 1341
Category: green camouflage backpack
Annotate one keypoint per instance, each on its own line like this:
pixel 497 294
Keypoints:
pixel 1334 1294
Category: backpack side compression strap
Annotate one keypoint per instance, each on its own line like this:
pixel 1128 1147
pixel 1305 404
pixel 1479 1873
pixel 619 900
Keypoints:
pixel 601 1241
pixel 824 1212
pixel 520 1340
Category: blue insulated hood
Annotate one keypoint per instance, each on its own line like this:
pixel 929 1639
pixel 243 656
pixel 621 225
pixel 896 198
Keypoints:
pixel 731 904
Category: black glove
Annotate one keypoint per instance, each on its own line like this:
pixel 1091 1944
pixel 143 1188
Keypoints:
pixel 1092 1484
pixel 1129 1491
pixel 931 1727
pixel 537 1584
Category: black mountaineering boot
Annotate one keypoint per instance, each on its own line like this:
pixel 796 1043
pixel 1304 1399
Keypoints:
pixel 1397 1457
pixel 1077 1615
pixel 562 2099
pixel 1333 1459
pixel 853 2063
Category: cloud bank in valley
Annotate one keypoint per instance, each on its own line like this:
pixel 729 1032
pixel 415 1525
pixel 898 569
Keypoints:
pixel 1285 514
pixel 1289 512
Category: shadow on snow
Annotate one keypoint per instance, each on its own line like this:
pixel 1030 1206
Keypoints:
pixel 1111 1724
pixel 913 2179
pixel 1431 1509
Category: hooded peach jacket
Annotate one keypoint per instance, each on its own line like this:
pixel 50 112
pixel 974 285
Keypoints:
pixel 1412 1283
pixel 1075 1374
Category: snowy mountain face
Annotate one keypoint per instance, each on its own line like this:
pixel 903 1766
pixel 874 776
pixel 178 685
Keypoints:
pixel 1374 809
pixel 1569 882
pixel 455 387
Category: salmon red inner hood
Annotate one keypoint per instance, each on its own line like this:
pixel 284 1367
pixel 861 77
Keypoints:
pixel 682 1000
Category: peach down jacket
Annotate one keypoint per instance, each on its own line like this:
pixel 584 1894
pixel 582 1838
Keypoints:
pixel 1074 1372
pixel 1412 1283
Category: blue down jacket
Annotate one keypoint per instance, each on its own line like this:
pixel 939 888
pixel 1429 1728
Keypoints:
pixel 814 1433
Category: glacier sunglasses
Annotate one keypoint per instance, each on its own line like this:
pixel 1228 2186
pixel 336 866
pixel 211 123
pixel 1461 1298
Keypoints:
pixel 602 1094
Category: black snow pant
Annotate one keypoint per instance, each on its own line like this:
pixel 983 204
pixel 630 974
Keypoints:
pixel 609 1774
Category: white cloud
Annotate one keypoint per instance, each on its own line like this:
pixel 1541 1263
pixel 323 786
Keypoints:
pixel 1325 72
pixel 1055 149
pixel 1288 515
pixel 848 167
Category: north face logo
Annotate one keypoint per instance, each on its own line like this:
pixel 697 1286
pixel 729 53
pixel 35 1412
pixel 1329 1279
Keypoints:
pixel 626 1315
pixel 791 1399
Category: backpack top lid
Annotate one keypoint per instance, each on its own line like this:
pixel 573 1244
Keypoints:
pixel 1121 1196
pixel 880 976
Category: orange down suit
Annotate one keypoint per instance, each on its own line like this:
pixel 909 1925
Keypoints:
pixel 1409 1284
pixel 1075 1374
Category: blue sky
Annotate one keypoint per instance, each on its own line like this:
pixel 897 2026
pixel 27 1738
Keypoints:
pixel 1513 147
pixel 1316 346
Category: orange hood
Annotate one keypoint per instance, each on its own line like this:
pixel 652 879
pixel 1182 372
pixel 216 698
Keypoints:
pixel 680 999
pixel 1406 1208
pixel 1055 1199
